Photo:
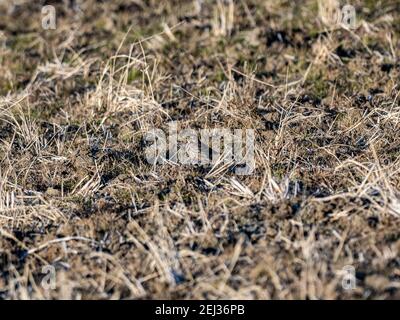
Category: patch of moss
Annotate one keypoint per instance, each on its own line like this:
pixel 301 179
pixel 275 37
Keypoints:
pixel 319 84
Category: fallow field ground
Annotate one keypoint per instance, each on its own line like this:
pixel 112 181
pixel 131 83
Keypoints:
pixel 78 197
